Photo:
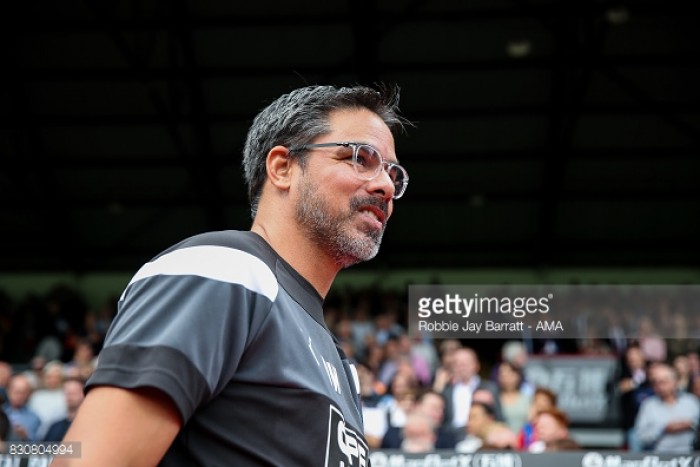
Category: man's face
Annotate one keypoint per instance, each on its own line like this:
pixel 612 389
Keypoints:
pixel 343 213
pixel 663 382
pixel 73 391
pixel 464 365
pixel 433 406
pixel 18 391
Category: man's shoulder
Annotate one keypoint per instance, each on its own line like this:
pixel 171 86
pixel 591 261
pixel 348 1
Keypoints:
pixel 230 256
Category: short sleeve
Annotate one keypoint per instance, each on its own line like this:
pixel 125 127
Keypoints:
pixel 184 322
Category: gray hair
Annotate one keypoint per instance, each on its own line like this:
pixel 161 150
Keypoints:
pixel 298 117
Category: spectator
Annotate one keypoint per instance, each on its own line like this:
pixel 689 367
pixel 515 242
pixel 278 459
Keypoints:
pixel 443 374
pixel 418 433
pixel 49 402
pixel 653 346
pixel 514 403
pixel 82 364
pixel 5 375
pixel 543 399
pixel 419 364
pixel 4 429
pixel 552 428
pixel 682 367
pixel 431 404
pixel 35 372
pixel 362 326
pixel 25 423
pixel 73 392
pixel 515 353
pixel 667 421
pixel 458 393
pixel 634 388
pixel 484 431
pixel 488 397
pixel 391 410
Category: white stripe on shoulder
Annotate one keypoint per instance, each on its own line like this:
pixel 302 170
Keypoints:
pixel 214 262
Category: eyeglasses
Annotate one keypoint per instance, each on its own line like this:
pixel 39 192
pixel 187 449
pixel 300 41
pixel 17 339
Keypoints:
pixel 368 163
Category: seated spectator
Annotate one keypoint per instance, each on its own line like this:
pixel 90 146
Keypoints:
pixel 391 409
pixel 515 353
pixel 542 399
pixel 488 397
pixel 651 343
pixel 552 428
pixel 514 403
pixel 431 404
pixel 24 422
pixel 418 433
pixel 682 367
pixel 667 421
pixel 49 402
pixel 483 431
pixel 83 362
pixel 35 372
pixel 73 393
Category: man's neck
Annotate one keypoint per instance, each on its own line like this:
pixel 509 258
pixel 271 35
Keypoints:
pixel 306 258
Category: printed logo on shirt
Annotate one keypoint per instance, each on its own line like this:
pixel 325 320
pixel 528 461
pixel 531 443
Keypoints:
pixel 345 446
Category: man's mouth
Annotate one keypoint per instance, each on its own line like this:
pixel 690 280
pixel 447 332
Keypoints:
pixel 374 212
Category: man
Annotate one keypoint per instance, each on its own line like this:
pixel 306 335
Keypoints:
pixel 219 354
pixel 667 421
pixel 431 404
pixel 73 388
pixel 458 393
pixel 24 422
pixel 49 401
pixel 418 434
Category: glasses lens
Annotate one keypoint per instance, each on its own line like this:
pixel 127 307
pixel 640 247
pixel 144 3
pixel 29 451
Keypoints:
pixel 368 162
pixel 398 175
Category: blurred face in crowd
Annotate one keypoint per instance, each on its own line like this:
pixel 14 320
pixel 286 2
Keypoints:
pixel 433 406
pixel 400 385
pixel 508 378
pixel 663 381
pixel 419 434
pixel 73 391
pixel 5 374
pixel 465 365
pixel 549 429
pixel 479 419
pixel 18 391
pixel 447 352
pixel 53 375
pixel 635 358
pixel 540 402
pixel 681 365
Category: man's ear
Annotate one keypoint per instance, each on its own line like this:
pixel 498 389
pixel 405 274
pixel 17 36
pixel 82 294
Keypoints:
pixel 279 167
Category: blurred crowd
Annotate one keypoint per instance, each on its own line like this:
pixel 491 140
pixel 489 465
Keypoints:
pixel 418 394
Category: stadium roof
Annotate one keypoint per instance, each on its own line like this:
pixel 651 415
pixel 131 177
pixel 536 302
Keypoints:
pixel 549 133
